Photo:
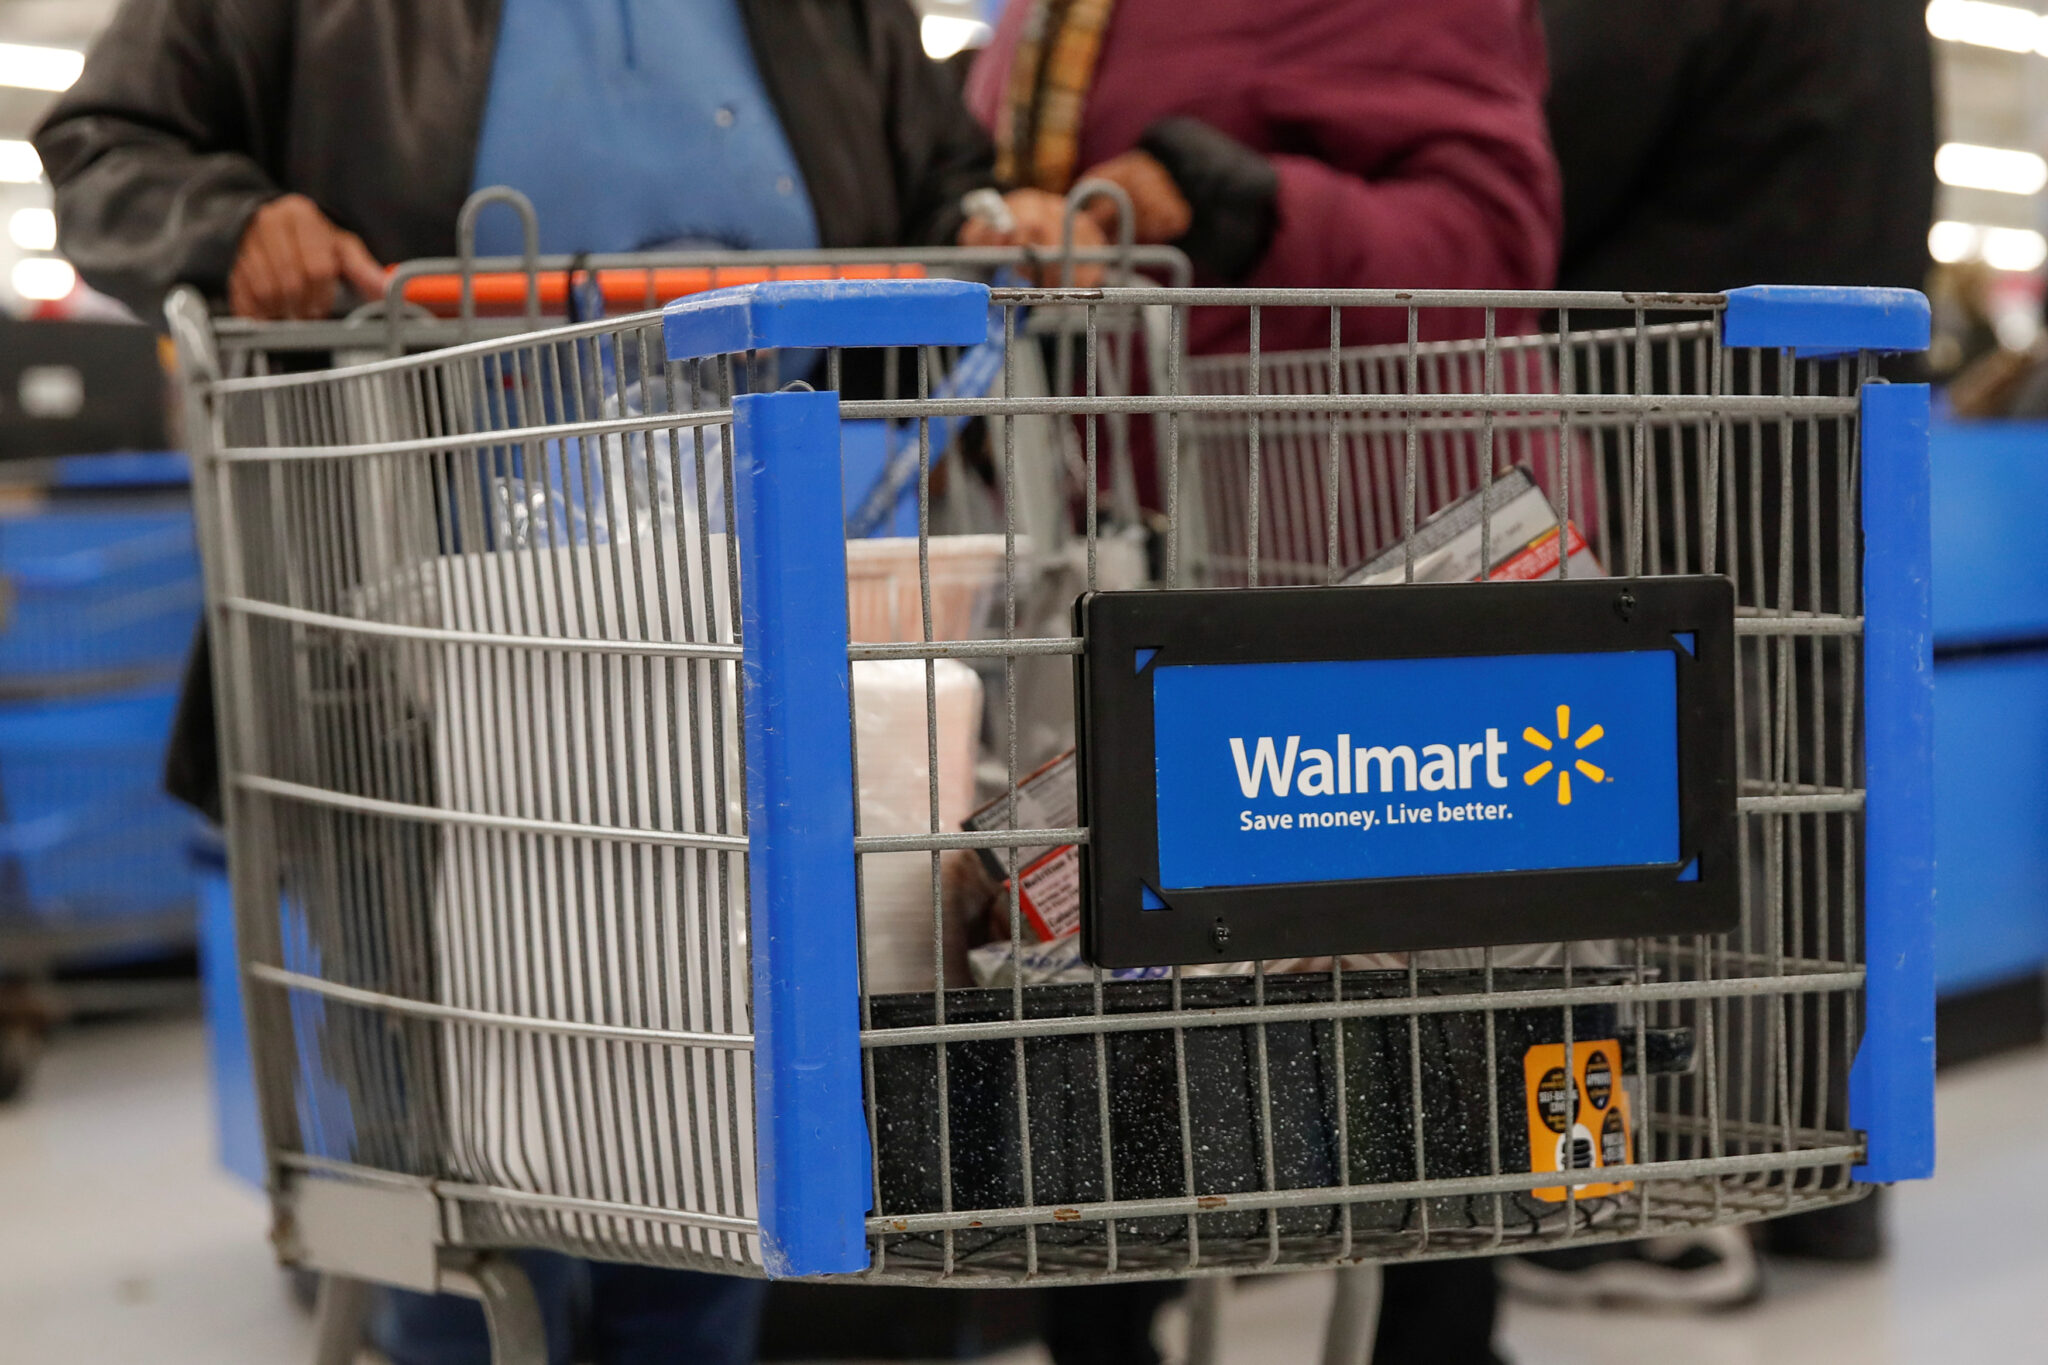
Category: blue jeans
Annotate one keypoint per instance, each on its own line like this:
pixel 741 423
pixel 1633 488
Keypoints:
pixel 608 1314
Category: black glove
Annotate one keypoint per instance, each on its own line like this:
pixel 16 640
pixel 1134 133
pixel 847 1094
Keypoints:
pixel 1231 191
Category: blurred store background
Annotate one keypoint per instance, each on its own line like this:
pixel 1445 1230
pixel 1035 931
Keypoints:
pixel 99 594
pixel 42 48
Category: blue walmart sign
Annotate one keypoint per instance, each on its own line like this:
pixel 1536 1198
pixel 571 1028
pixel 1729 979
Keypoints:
pixel 1280 773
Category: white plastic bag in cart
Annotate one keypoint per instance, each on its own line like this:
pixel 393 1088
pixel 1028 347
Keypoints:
pixel 630 932
pixel 595 930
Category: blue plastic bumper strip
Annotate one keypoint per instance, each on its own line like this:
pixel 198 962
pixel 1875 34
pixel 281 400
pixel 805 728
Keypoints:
pixel 810 314
pixel 813 1164
pixel 811 1136
pixel 1820 320
pixel 1891 1084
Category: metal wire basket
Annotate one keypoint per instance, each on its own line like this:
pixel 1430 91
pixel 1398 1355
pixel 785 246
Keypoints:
pixel 527 651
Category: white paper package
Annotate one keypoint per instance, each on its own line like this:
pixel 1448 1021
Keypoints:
pixel 612 932
pixel 595 930
pixel 889 704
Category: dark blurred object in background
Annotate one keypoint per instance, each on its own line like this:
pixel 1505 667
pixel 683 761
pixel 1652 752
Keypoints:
pixel 79 388
pixel 1710 144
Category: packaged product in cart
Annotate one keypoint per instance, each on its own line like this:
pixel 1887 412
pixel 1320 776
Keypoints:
pixel 1522 538
pixel 1049 877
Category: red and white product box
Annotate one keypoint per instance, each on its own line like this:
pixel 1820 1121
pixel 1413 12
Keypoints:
pixel 1538 559
pixel 1519 534
pixel 1049 893
pixel 1049 880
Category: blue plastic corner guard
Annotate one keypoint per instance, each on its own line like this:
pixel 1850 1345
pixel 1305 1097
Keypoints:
pixel 813 1163
pixel 1822 320
pixel 814 1167
pixel 1891 1082
pixel 820 313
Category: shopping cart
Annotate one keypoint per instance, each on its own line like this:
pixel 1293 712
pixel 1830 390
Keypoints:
pixel 622 885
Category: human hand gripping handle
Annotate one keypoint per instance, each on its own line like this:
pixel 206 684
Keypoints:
pixel 291 260
pixel 1033 219
pixel 1200 190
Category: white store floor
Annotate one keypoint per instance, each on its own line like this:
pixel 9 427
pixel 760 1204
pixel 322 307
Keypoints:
pixel 121 1243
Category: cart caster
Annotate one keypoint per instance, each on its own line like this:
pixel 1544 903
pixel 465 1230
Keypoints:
pixel 1347 1339
pixel 341 1318
pixel 303 1288
pixel 20 1046
pixel 27 1014
pixel 1354 1316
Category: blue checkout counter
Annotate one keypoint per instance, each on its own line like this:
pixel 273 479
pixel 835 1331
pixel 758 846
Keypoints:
pixel 1990 521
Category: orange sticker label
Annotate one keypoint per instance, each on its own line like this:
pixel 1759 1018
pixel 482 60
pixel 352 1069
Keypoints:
pixel 1581 1122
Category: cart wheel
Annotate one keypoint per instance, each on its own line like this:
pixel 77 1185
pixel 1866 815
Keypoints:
pixel 1354 1316
pixel 304 1287
pixel 20 1045
pixel 341 1319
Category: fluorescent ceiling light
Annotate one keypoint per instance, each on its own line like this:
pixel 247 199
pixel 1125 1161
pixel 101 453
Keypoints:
pixel 33 229
pixel 19 164
pixel 946 35
pixel 39 68
pixel 1990 168
pixel 1951 243
pixel 2001 248
pixel 2006 27
pixel 2020 249
pixel 44 277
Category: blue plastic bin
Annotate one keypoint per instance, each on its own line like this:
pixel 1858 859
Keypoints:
pixel 97 587
pixel 1990 482
pixel 124 469
pixel 86 832
pixel 237 1125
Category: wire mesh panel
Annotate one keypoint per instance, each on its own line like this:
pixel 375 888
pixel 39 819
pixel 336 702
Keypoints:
pixel 490 763
pixel 1073 1122
pixel 1332 492
pixel 481 650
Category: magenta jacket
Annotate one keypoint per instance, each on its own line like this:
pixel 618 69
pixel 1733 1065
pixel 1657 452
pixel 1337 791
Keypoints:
pixel 1408 136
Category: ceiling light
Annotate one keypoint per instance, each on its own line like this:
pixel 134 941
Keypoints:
pixel 2002 248
pixel 44 277
pixel 1990 168
pixel 39 68
pixel 33 229
pixel 1951 243
pixel 19 164
pixel 946 35
pixel 1981 24
pixel 2019 249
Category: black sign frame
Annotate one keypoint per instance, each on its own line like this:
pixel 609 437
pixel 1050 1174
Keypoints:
pixel 1119 798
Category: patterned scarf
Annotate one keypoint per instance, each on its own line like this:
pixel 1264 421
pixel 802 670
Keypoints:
pixel 1039 141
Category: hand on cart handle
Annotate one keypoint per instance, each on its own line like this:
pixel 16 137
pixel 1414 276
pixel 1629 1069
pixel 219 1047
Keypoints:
pixel 1034 222
pixel 1160 212
pixel 292 258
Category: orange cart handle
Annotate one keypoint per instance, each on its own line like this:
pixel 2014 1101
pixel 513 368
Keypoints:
pixel 502 292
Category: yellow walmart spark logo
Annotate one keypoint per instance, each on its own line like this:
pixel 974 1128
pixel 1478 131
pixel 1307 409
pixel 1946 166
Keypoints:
pixel 1589 771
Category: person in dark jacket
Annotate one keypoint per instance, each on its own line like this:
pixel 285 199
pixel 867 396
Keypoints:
pixel 1707 145
pixel 1711 144
pixel 278 153
pixel 270 150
